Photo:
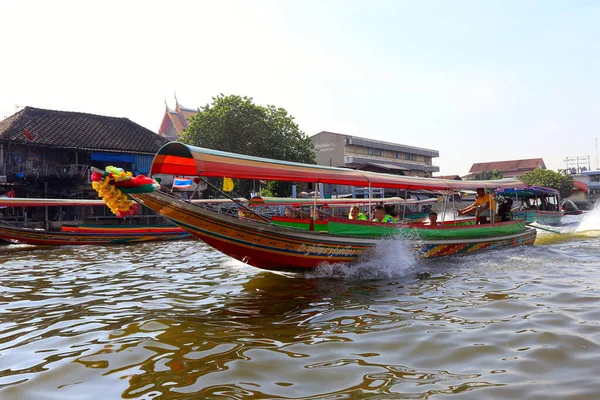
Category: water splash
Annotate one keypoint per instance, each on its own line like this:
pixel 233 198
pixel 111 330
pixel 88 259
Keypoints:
pixel 389 258
pixel 591 221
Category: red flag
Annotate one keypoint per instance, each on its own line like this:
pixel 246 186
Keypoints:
pixel 11 193
pixel 29 135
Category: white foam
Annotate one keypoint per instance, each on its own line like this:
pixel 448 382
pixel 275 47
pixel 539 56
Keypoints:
pixel 591 220
pixel 389 258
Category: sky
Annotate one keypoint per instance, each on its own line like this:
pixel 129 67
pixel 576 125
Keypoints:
pixel 476 80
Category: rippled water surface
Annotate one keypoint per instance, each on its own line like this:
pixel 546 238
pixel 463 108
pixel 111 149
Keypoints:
pixel 179 320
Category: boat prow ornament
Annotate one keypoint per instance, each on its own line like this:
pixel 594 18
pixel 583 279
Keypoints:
pixel 114 184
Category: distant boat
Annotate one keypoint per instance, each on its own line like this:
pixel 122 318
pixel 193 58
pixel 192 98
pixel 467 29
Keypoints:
pixel 537 204
pixel 107 234
pixel 81 234
pixel 569 208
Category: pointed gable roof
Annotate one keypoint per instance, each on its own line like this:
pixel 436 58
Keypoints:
pixel 75 130
pixel 178 119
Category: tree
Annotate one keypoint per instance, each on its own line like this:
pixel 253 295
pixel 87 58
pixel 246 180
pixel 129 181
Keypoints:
pixel 548 178
pixel 488 175
pixel 235 124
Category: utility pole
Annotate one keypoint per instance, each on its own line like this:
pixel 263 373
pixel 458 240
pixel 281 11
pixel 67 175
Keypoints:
pixel 597 152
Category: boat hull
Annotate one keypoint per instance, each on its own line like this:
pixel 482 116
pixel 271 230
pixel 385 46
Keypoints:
pixel 549 217
pixel 280 248
pixel 526 215
pixel 98 236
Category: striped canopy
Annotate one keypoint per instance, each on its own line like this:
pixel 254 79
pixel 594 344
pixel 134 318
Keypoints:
pixel 180 159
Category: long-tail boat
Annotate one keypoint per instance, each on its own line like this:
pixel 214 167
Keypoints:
pixel 100 235
pixel 81 234
pixel 536 204
pixel 264 245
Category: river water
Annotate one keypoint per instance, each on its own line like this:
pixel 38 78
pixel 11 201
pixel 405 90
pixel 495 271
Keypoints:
pixel 179 320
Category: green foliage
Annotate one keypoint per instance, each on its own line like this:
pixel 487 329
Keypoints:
pixel 266 193
pixel 488 175
pixel 237 125
pixel 280 189
pixel 548 178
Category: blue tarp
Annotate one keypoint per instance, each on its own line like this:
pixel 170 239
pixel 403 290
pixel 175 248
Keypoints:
pixel 113 157
pixel 142 164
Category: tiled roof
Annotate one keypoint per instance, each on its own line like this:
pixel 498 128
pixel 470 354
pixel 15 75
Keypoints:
pixel 512 165
pixel 74 130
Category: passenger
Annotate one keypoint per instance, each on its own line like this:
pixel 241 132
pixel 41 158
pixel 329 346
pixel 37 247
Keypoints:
pixel 483 206
pixel 356 214
pixel 433 219
pixel 288 212
pixel 380 215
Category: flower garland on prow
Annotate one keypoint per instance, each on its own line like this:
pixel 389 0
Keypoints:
pixel 113 186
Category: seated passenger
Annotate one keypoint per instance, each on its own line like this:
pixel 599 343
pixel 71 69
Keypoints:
pixel 380 215
pixel 433 219
pixel 356 214
pixel 483 206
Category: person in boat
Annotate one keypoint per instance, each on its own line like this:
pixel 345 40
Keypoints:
pixel 484 206
pixel 396 215
pixel 379 215
pixel 288 212
pixel 433 219
pixel 356 214
pixel 505 207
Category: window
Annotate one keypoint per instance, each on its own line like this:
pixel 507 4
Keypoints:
pixel 378 152
pixel 371 151
pixel 407 156
pixel 398 154
pixel 413 157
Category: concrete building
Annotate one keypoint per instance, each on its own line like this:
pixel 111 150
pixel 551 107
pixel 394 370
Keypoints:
pixel 339 150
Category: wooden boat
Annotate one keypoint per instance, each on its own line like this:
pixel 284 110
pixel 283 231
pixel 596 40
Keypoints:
pixel 80 234
pixel 112 234
pixel 569 208
pixel 265 245
pixel 280 248
pixel 538 204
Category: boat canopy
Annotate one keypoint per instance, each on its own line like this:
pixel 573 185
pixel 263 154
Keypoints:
pixel 530 191
pixel 177 158
pixel 296 202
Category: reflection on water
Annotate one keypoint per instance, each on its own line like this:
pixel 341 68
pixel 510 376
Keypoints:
pixel 178 320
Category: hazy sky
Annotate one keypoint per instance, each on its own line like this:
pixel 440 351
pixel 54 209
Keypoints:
pixel 476 80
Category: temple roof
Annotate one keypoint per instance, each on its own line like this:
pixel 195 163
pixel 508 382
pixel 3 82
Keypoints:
pixel 75 130
pixel 178 118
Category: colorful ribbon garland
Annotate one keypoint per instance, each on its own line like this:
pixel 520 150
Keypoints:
pixel 114 184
